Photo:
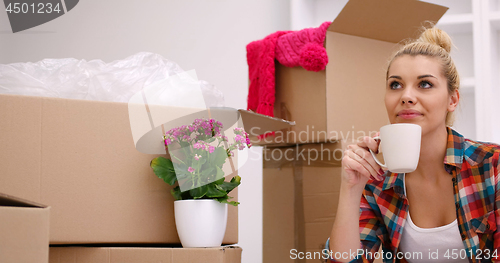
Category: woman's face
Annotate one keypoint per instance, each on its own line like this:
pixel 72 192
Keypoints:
pixel 417 93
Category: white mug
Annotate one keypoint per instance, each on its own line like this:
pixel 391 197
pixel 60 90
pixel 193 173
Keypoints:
pixel 400 145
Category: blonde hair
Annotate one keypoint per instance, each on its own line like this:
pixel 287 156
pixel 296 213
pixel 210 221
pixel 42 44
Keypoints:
pixel 434 42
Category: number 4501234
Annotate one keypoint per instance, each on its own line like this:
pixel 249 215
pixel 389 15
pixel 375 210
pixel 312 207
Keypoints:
pixel 38 8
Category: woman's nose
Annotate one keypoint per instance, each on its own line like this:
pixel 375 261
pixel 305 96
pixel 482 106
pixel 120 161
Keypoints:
pixel 408 96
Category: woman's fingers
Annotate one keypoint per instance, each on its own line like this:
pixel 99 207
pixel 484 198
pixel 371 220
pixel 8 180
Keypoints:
pixel 360 155
pixel 357 159
pixel 369 143
pixel 354 169
pixel 362 148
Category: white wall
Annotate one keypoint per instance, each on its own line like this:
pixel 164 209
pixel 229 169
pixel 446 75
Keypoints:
pixel 209 36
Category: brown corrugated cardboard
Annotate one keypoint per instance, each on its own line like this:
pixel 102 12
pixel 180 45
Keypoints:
pixel 300 200
pixel 79 157
pixel 346 100
pixel 143 254
pixel 24 231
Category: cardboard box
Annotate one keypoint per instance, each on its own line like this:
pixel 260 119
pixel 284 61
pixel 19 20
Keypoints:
pixel 24 231
pixel 346 100
pixel 79 157
pixel 142 254
pixel 300 190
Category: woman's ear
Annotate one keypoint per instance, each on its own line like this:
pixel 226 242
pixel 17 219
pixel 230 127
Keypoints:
pixel 453 101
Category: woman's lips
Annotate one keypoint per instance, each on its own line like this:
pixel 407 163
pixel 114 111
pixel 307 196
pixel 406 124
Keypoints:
pixel 409 114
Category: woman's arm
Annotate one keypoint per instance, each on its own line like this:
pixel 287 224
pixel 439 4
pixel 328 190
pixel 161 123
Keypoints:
pixel 344 237
pixel 359 167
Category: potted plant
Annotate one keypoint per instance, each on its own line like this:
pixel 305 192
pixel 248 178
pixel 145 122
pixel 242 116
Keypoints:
pixel 198 152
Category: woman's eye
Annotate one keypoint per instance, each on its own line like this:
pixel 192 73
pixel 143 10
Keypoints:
pixel 395 85
pixel 425 85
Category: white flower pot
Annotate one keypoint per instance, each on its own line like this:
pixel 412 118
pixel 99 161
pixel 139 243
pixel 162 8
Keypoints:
pixel 200 223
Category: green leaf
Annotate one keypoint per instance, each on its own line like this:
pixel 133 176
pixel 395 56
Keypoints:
pixel 180 166
pixel 224 200
pixel 207 171
pixel 233 203
pixel 229 186
pixel 220 181
pixel 164 169
pixel 181 175
pixel 181 170
pixel 187 184
pixel 199 192
pixel 220 173
pixel 176 192
pixel 218 157
pixel 215 191
pixel 236 179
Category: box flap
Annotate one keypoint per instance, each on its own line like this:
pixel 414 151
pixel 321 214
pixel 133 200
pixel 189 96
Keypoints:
pixel 7 200
pixel 149 140
pixel 257 124
pixel 386 20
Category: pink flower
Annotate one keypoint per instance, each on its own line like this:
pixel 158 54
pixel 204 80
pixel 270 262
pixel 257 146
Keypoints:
pixel 197 157
pixel 211 149
pixel 191 170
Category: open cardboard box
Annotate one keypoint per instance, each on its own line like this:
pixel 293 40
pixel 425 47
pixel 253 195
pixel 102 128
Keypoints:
pixel 229 254
pixel 79 157
pixel 300 183
pixel 346 100
pixel 24 231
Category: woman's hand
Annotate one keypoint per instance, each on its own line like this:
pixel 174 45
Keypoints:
pixel 359 164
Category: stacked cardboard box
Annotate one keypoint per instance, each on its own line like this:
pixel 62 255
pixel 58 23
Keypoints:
pixel 24 231
pixel 300 199
pixel 229 254
pixel 331 108
pixel 79 158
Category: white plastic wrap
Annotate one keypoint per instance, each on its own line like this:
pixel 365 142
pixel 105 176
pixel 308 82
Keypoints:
pixel 117 81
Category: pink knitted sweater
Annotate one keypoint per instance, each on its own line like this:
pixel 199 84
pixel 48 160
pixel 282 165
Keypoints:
pixel 291 48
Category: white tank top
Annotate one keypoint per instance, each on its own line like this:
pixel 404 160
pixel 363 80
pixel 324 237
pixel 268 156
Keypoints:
pixel 438 244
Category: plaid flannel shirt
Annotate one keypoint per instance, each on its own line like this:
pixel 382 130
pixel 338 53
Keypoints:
pixel 475 169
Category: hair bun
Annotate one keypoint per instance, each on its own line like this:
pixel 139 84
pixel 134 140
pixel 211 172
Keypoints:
pixel 436 36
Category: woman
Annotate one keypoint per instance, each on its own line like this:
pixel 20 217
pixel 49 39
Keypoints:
pixel 443 211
